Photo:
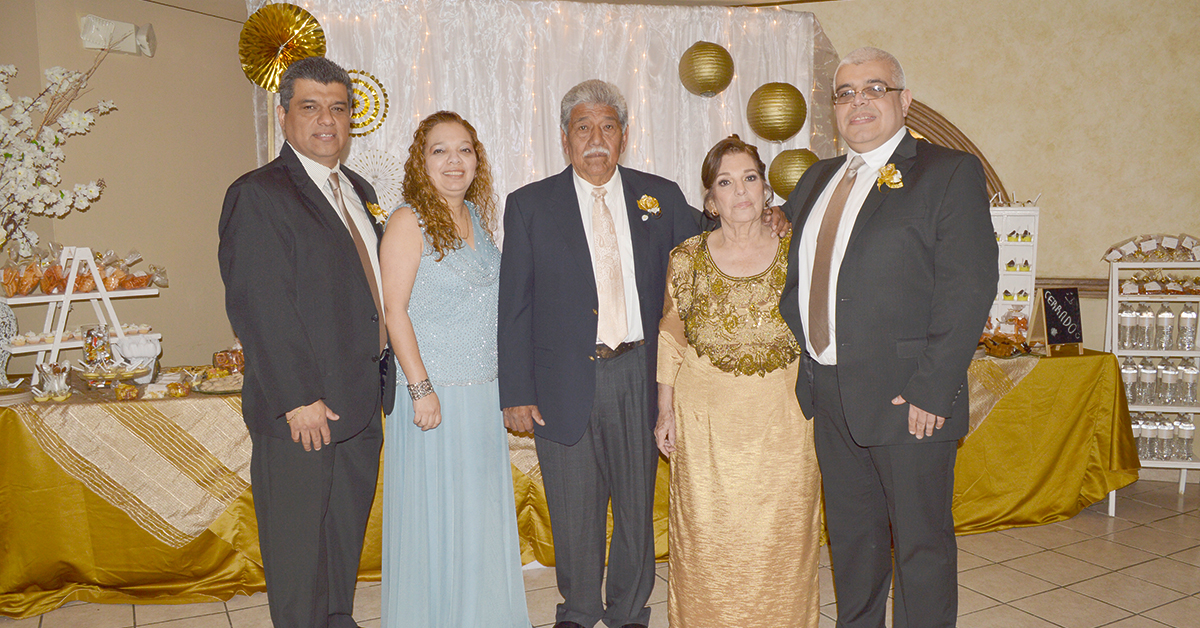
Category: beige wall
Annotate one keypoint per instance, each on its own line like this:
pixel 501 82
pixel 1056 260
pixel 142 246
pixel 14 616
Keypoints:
pixel 1094 104
pixel 182 132
pixel 1058 95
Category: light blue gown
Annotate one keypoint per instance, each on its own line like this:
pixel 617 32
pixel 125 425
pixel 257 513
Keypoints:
pixel 451 556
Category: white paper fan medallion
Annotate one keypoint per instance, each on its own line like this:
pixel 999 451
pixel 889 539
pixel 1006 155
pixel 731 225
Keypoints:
pixel 384 172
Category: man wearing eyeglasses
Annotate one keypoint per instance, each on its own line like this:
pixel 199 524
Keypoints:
pixel 889 283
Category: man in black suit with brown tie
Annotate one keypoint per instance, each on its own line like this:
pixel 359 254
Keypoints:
pixel 890 278
pixel 299 257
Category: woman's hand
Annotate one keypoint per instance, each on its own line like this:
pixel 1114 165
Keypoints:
pixel 664 431
pixel 428 411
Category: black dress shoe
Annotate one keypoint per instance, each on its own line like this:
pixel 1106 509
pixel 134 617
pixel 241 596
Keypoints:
pixel 567 624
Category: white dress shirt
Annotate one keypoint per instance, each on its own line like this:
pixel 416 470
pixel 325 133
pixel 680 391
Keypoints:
pixel 866 179
pixel 614 197
pixel 354 205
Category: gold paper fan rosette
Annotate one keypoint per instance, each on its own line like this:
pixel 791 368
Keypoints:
pixel 274 37
pixel 787 167
pixel 370 103
pixel 706 69
pixel 776 111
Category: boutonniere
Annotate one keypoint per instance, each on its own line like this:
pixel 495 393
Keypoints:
pixel 649 204
pixel 889 176
pixel 377 212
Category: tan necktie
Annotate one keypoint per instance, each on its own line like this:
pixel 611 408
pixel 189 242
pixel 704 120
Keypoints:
pixel 610 284
pixel 363 256
pixel 818 294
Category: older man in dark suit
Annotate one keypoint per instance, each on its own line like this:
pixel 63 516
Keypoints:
pixel 890 278
pixel 581 293
pixel 299 257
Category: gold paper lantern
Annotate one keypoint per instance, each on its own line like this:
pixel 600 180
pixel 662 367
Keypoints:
pixel 706 69
pixel 776 111
pixel 274 37
pixel 787 167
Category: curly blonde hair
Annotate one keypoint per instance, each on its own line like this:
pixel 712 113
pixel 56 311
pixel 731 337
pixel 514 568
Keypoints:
pixel 430 207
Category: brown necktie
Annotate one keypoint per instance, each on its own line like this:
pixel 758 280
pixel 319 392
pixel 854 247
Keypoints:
pixel 363 256
pixel 610 284
pixel 818 294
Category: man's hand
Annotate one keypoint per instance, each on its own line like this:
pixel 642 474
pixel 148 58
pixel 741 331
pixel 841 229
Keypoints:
pixel 774 218
pixel 310 424
pixel 522 418
pixel 920 422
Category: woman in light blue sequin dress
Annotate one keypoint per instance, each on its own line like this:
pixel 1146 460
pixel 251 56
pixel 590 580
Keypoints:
pixel 451 555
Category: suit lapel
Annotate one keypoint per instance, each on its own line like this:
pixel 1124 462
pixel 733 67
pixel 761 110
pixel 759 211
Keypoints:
pixel 637 233
pixel 312 195
pixel 903 157
pixel 564 210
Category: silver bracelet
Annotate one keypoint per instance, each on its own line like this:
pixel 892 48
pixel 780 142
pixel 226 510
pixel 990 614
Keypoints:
pixel 420 389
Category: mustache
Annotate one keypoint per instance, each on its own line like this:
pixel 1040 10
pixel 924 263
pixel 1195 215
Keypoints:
pixel 597 151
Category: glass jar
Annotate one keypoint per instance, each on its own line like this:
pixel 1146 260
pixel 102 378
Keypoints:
pixel 1126 324
pixel 1168 383
pixel 1144 333
pixel 1147 386
pixel 1187 440
pixel 1188 376
pixel 1187 328
pixel 1164 328
pixel 1129 377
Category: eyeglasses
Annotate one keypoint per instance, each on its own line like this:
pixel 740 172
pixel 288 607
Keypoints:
pixel 870 92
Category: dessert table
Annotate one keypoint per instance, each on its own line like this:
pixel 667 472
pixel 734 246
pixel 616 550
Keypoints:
pixel 148 501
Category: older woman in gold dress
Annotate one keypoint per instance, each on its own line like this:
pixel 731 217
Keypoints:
pixel 745 488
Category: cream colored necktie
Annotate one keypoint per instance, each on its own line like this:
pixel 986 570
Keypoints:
pixel 818 294
pixel 363 256
pixel 610 284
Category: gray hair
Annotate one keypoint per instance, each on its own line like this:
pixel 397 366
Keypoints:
pixel 867 54
pixel 594 92
pixel 317 69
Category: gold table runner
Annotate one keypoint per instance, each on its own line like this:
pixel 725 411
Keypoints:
pixel 172 465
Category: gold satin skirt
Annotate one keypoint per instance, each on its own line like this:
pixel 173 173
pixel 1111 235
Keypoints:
pixel 745 502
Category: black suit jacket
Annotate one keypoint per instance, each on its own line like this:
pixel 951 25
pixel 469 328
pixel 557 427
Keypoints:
pixel 299 302
pixel 913 291
pixel 548 317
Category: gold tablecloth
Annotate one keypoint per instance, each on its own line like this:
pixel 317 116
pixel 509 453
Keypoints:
pixel 1060 440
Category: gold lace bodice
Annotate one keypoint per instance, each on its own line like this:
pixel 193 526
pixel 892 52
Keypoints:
pixel 734 321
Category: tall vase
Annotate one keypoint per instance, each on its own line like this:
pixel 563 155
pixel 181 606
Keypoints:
pixel 8 331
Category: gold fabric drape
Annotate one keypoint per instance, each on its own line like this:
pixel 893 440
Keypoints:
pixel 1059 441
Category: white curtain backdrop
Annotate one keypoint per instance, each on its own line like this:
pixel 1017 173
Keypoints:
pixel 504 65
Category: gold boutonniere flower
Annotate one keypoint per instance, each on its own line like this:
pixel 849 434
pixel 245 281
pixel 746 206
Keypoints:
pixel 649 204
pixel 889 176
pixel 377 212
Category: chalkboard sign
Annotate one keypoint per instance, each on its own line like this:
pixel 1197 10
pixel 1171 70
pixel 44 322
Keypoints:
pixel 1056 320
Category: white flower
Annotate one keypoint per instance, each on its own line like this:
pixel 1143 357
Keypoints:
pixel 7 71
pixel 105 106
pixel 56 75
pixel 6 101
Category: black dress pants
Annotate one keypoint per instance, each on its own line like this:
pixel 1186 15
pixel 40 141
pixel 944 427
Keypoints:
pixel 312 509
pixel 883 505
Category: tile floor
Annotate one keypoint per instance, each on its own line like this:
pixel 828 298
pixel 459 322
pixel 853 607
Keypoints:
pixel 1138 570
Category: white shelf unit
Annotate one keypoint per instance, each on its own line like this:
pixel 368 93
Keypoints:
pixel 74 260
pixel 1122 270
pixel 1004 221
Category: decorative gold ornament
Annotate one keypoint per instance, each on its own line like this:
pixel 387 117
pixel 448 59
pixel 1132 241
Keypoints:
pixel 889 176
pixel 377 212
pixel 649 204
pixel 370 103
pixel 274 37
pixel 787 167
pixel 706 69
pixel 776 111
